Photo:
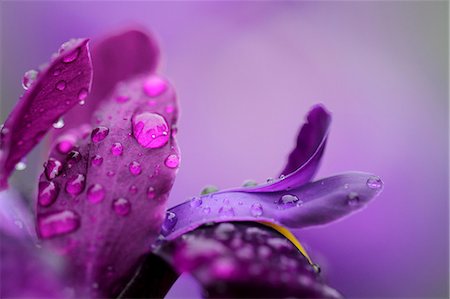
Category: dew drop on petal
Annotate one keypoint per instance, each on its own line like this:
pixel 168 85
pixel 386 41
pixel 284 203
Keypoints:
pixel 169 223
pixel 61 85
pixel 226 211
pixel 95 193
pixel 59 124
pixel 28 78
pixel 209 189
pixel 48 191
pixel 53 168
pixel 58 223
pixel 73 157
pixel 133 189
pixel 288 201
pixel 121 206
pixel 116 149
pixel 72 56
pixel 135 168
pixel 150 129
pixel 154 86
pixel 374 182
pixel 196 202
pixel 316 268
pixel 82 94
pixel 353 199
pixel 206 210
pixel 172 161
pixel 151 194
pixel 256 209
pixel 76 184
pixel 99 133
pixel 97 160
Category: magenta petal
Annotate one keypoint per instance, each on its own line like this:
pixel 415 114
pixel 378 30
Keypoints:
pixel 315 203
pixel 245 260
pixel 56 90
pixel 305 158
pixel 116 58
pixel 113 189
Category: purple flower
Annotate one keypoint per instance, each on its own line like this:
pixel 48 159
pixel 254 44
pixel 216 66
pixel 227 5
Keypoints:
pixel 101 199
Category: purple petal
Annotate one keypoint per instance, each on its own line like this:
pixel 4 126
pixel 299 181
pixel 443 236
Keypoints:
pixel 305 158
pixel 113 188
pixel 116 58
pixel 243 260
pixel 315 203
pixel 57 89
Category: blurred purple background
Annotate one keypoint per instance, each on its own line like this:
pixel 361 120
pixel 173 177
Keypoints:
pixel 247 72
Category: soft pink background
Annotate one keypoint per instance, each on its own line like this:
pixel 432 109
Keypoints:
pixel 246 74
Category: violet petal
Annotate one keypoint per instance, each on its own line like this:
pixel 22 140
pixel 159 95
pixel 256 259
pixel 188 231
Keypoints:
pixel 245 260
pixel 315 203
pixel 115 58
pixel 55 91
pixel 305 158
pixel 107 214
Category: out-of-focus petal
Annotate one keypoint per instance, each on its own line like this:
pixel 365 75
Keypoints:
pixel 104 201
pixel 115 58
pixel 315 203
pixel 242 260
pixel 304 160
pixel 62 85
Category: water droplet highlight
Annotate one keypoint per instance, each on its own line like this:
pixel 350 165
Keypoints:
pixel 58 124
pixel 58 223
pixel 151 194
pixel 172 161
pixel 95 193
pixel 72 56
pixel 150 130
pixel 288 201
pixel 135 168
pixel 97 160
pixel 116 149
pixel 48 191
pixel 169 223
pixel 374 182
pixel 99 134
pixel 121 206
pixel 53 168
pixel 76 184
pixel 256 209
pixel 28 78
pixel 196 202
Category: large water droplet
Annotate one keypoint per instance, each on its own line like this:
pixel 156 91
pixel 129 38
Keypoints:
pixel 97 160
pixel 29 78
pixel 121 206
pixel 135 168
pixel 288 201
pixel 58 223
pixel 154 86
pixel 95 193
pixel 172 161
pixel 82 94
pixel 76 184
pixel 374 182
pixel 53 168
pixel 353 199
pixel 61 85
pixel 256 209
pixel 209 189
pixel 48 191
pixel 72 56
pixel 196 202
pixel 59 124
pixel 226 211
pixel 116 149
pixel 99 133
pixel 150 129
pixel 169 223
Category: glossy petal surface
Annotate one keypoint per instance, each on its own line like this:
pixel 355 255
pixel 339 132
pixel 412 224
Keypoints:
pixel 103 219
pixel 55 91
pixel 312 204
pixel 245 260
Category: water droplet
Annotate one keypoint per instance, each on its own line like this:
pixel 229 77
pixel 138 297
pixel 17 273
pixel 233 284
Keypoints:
pixel 58 223
pixel 122 99
pixel 110 173
pixel 97 160
pixel 99 133
pixel 76 184
pixel 288 201
pixel 249 183
pixel 21 166
pixel 154 86
pixel 48 191
pixel 72 56
pixel 121 206
pixel 135 168
pixel 172 161
pixel 116 149
pixel 256 209
pixel 72 158
pixel 269 180
pixel 206 210
pixel 28 78
pixel 209 189
pixel 169 223
pixel 82 95
pixel 58 124
pixel 226 211
pixel 66 143
pixel 56 72
pixel 53 168
pixel 316 268
pixel 150 130
pixel 374 182
pixel 353 199
pixel 95 193
pixel 133 189
pixel 196 202
pixel 61 85
pixel 151 193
